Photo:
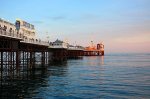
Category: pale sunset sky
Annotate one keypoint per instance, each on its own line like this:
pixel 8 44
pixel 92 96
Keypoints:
pixel 122 25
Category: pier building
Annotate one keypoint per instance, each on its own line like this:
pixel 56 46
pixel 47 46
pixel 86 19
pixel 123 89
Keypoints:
pixel 58 44
pixel 94 50
pixel 25 28
pixel 58 50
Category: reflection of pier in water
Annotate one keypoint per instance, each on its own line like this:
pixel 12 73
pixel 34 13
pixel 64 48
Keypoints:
pixel 91 60
pixel 23 85
pixel 28 82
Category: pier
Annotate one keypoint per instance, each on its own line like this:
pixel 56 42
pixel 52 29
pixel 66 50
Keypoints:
pixel 21 51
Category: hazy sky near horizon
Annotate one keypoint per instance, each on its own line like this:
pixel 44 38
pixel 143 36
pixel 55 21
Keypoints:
pixel 123 25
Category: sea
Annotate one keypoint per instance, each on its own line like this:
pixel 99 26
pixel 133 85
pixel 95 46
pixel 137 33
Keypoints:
pixel 113 76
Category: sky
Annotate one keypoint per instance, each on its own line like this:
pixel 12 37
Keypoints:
pixel 122 25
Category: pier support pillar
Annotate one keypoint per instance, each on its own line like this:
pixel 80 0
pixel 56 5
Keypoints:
pixel 1 65
pixel 17 60
pixel 32 60
pixel 43 58
pixel 102 53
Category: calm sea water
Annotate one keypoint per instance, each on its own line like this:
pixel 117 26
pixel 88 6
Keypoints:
pixel 113 76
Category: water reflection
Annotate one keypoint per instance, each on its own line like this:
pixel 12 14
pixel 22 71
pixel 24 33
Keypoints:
pixel 94 60
pixel 58 68
pixel 75 58
pixel 101 60
pixel 28 83
pixel 23 86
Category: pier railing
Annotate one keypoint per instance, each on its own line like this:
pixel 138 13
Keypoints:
pixel 12 34
pixel 35 41
pixel 75 48
pixel 16 35
pixel 58 46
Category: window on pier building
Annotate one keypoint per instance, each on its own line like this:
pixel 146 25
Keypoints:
pixel 5 28
pixel 10 30
pixel 33 33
